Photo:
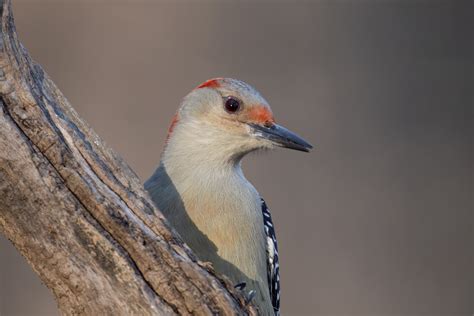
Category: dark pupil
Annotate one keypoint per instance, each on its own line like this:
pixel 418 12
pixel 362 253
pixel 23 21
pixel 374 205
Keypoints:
pixel 232 104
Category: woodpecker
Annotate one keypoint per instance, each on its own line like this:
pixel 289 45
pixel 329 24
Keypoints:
pixel 201 190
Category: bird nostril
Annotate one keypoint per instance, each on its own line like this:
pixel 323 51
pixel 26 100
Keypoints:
pixel 268 124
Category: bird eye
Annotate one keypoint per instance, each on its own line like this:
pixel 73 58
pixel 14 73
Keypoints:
pixel 232 105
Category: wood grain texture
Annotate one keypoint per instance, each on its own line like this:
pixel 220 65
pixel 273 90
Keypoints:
pixel 80 215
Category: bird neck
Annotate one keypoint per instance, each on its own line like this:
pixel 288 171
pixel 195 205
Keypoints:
pixel 199 167
pixel 202 163
pixel 205 164
pixel 195 146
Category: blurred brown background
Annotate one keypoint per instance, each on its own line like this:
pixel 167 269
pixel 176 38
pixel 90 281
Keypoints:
pixel 378 220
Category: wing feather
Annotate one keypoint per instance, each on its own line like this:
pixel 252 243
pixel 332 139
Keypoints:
pixel 273 266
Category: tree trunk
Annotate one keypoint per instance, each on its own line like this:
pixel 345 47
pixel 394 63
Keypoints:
pixel 79 214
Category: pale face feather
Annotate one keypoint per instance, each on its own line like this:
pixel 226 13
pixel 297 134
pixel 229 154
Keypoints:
pixel 204 126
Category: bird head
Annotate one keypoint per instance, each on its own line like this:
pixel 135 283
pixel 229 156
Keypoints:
pixel 230 117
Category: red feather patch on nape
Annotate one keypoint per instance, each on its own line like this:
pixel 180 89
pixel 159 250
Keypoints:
pixel 172 125
pixel 211 83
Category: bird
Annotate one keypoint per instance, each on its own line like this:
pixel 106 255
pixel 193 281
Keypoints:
pixel 200 188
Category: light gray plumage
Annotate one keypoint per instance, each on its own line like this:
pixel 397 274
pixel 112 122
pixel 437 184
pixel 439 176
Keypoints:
pixel 200 188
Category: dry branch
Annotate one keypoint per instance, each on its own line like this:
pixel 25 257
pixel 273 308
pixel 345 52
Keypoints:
pixel 79 214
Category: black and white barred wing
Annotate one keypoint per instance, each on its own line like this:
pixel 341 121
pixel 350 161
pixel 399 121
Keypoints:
pixel 273 267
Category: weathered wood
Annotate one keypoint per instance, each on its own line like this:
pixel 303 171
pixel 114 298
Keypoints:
pixel 79 214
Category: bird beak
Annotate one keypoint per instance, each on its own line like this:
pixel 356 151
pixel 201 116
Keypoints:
pixel 280 136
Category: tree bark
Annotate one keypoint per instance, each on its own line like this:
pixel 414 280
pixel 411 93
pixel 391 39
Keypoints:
pixel 78 213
